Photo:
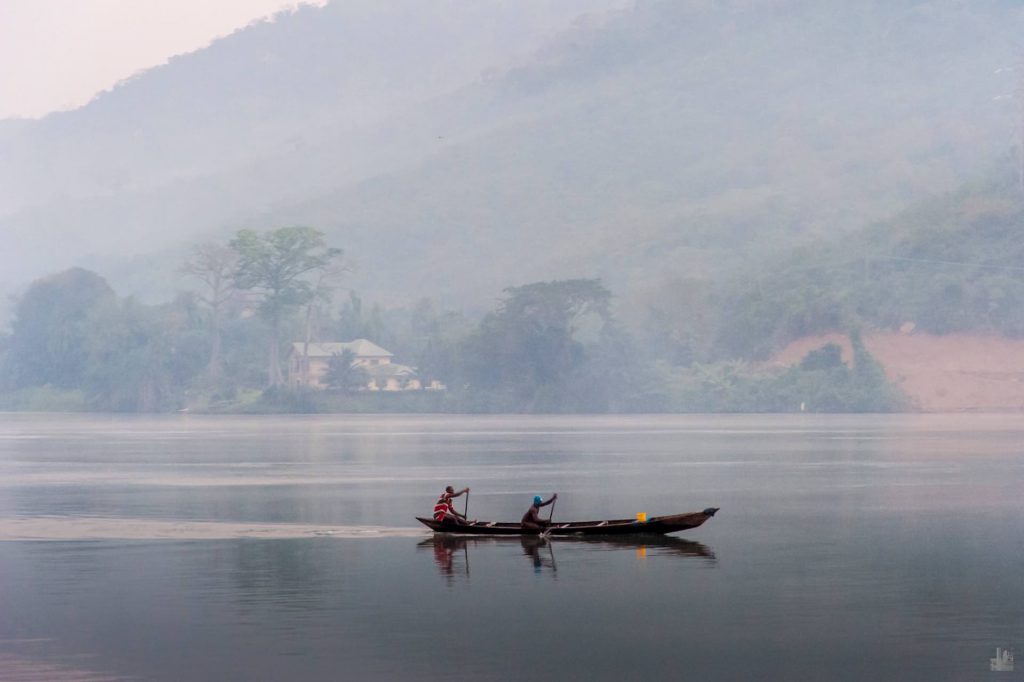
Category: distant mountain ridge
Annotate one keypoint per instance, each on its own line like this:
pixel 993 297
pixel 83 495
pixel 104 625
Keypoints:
pixel 675 138
pixel 685 138
pixel 268 87
pixel 279 110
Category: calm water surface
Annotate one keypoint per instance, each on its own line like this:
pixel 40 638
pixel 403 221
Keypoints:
pixel 847 548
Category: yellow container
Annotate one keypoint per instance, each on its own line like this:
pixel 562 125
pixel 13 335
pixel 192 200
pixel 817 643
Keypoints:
pixel 641 517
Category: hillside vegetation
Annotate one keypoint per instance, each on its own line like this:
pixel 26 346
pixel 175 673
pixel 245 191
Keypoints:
pixel 953 264
pixel 689 138
pixel 675 139
pixel 949 373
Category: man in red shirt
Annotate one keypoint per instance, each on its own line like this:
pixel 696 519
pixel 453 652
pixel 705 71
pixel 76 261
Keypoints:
pixel 444 510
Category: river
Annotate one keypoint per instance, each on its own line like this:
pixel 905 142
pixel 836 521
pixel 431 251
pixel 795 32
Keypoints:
pixel 285 548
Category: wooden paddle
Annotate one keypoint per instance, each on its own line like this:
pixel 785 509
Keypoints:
pixel 547 532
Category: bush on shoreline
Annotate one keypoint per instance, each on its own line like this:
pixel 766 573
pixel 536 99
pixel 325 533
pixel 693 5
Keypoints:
pixel 43 399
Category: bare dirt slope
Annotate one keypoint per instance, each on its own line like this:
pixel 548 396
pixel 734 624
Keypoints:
pixel 953 373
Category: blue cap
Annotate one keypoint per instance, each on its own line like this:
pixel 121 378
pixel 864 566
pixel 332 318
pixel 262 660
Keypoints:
pixel 537 500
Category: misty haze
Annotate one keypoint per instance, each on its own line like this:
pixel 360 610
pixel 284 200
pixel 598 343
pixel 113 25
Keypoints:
pixel 741 281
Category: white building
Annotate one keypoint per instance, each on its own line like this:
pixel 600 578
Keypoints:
pixel 308 365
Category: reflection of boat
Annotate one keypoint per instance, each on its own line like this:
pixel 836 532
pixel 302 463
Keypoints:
pixel 656 525
pixel 456 542
pixel 655 544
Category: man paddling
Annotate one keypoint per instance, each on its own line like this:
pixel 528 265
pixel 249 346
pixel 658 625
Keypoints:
pixel 531 519
pixel 444 510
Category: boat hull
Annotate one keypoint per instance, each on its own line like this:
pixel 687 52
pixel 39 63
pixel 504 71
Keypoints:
pixel 656 525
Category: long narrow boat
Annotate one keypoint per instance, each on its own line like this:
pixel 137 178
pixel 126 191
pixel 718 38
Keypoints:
pixel 656 525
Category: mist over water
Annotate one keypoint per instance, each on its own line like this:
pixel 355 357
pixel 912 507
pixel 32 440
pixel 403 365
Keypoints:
pixel 848 547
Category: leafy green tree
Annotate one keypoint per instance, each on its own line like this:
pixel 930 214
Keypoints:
pixel 529 348
pixel 342 374
pixel 821 382
pixel 278 266
pixel 618 378
pixel 324 282
pixel 245 366
pixel 828 356
pixel 872 391
pixel 354 322
pixel 214 265
pixel 6 371
pixel 433 341
pixel 142 358
pixel 50 327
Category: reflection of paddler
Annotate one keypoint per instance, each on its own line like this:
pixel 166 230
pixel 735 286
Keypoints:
pixel 531 547
pixel 443 556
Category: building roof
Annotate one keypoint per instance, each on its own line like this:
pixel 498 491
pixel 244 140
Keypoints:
pixel 360 347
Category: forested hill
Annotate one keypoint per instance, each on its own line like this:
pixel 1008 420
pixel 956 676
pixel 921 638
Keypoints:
pixel 952 264
pixel 275 85
pixel 687 136
pixel 276 111
pixel 677 139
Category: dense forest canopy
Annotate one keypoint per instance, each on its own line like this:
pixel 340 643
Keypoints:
pixel 553 346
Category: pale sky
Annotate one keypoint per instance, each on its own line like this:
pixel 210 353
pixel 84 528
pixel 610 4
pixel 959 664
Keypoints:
pixel 57 54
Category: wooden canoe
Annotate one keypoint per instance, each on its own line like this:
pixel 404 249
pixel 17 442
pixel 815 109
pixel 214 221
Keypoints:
pixel 655 525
